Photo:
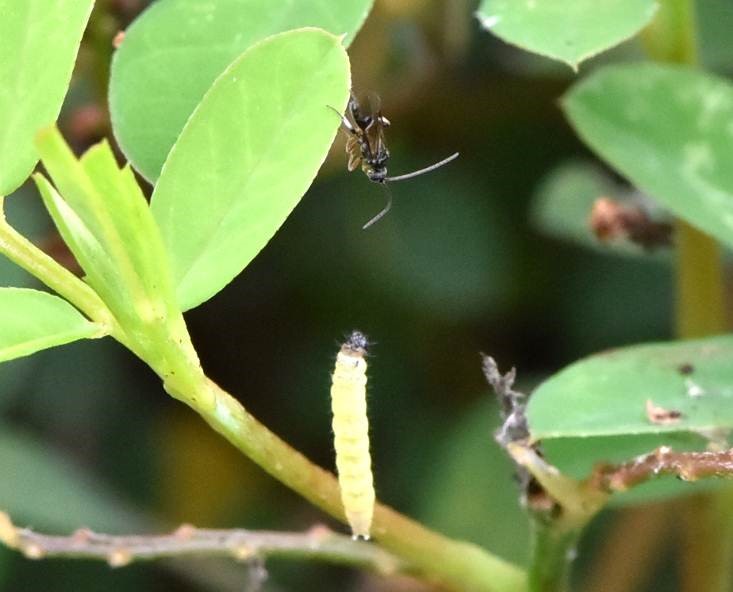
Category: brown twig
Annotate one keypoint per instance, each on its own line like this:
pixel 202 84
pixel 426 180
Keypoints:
pixel 318 543
pixel 513 403
pixel 688 466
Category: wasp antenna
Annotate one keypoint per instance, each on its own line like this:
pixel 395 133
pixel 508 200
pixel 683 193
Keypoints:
pixel 432 167
pixel 344 121
pixel 381 214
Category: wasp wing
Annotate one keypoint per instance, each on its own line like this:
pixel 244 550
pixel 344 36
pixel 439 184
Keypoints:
pixel 353 149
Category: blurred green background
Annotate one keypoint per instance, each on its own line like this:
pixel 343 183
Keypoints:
pixel 466 261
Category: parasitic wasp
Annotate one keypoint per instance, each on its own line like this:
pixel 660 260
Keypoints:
pixel 366 146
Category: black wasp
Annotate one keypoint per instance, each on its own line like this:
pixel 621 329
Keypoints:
pixel 365 145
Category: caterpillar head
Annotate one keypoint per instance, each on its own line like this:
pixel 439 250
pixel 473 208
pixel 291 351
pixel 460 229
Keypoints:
pixel 356 343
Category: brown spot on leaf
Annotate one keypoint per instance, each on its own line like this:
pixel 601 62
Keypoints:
pixel 661 416
pixel 686 369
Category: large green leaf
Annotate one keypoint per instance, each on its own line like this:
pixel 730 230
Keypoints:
pixel 247 155
pixel 606 394
pixel 31 320
pixel 566 30
pixel 175 50
pixel 669 130
pixel 38 45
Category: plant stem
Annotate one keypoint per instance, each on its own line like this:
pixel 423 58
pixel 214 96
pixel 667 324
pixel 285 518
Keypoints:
pixel 458 565
pixel 671 36
pixel 558 515
pixel 706 549
pixel 553 551
pixel 700 298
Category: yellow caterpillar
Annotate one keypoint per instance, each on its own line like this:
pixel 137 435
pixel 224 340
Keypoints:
pixel 351 434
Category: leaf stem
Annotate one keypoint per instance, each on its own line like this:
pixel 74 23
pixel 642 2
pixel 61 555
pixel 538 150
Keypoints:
pixel 553 552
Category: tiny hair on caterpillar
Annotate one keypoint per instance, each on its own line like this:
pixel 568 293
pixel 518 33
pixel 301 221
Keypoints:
pixel 351 434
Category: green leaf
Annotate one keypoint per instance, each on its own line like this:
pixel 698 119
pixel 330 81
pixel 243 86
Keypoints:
pixel 595 410
pixel 41 487
pixel 669 130
pixel 99 267
pixel 606 394
pixel 31 320
pixel 567 30
pixel 38 45
pixel 105 219
pixel 246 157
pixel 175 50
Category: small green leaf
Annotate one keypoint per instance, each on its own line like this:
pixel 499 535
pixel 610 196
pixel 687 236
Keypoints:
pixel 38 45
pixel 31 320
pixel 99 267
pixel 175 50
pixel 567 30
pixel 105 219
pixel 607 394
pixel 129 213
pixel 247 156
pixel 670 131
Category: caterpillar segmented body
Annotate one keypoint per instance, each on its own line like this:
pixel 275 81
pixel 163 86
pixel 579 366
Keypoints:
pixel 351 434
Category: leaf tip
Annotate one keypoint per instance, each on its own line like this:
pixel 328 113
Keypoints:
pixel 41 182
